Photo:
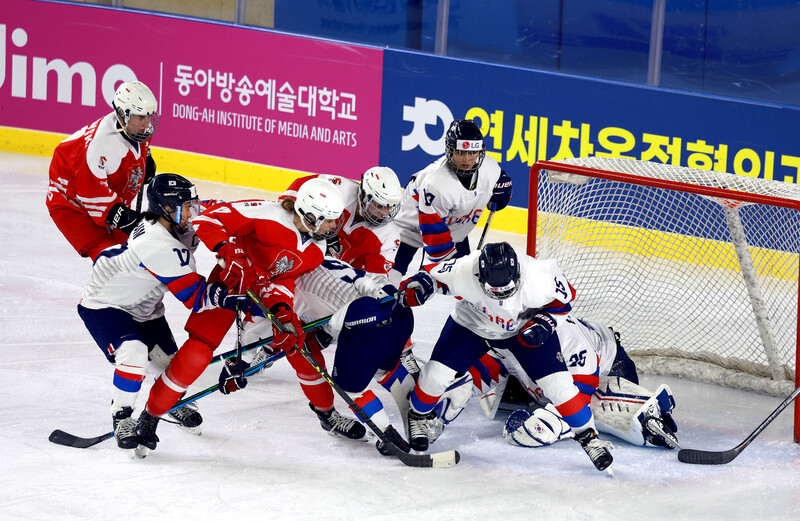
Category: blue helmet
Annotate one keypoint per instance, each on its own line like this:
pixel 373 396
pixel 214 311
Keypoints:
pixel 167 193
pixel 498 270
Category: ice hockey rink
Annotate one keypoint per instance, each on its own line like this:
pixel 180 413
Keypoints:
pixel 262 454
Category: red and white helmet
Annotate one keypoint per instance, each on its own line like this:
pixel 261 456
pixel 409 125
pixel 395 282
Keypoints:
pixel 379 195
pixel 135 99
pixel 320 206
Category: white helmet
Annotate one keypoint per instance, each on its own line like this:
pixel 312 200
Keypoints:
pixel 379 195
pixel 135 99
pixel 319 201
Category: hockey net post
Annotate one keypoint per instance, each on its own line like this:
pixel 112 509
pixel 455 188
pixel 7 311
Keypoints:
pixel 696 269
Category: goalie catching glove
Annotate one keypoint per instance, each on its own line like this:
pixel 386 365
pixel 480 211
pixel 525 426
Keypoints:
pixel 543 426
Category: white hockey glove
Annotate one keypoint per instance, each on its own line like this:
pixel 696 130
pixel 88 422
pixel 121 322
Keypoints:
pixel 543 426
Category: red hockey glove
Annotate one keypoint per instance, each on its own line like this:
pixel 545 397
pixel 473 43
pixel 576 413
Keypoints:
pixel 536 332
pixel 234 263
pixel 293 336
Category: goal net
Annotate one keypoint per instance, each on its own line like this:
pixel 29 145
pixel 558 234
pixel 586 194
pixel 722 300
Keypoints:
pixel 697 270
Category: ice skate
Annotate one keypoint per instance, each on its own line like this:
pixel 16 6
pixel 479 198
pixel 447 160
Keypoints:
pixel 338 425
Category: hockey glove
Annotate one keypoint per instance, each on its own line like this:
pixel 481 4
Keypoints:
pixel 232 378
pixel 318 340
pixel 416 290
pixel 123 218
pixel 219 296
pixel 234 262
pixel 501 194
pixel 536 332
pixel 292 337
pixel 150 169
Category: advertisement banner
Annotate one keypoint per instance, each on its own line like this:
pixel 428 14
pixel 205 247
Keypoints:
pixel 224 91
pixel 528 115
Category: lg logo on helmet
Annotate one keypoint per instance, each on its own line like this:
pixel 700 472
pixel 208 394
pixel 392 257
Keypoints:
pixel 41 68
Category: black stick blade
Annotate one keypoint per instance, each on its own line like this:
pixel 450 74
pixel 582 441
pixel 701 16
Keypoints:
pixel 703 457
pixel 66 439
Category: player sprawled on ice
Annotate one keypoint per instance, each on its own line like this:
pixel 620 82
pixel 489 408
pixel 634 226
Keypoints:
pixel 97 173
pixel 519 307
pixel 442 203
pixel 369 327
pixel 122 304
pixel 264 246
pixel 603 372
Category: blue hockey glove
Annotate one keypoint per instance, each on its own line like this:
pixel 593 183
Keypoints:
pixel 501 194
pixel 232 378
pixel 219 296
pixel 536 332
pixel 416 290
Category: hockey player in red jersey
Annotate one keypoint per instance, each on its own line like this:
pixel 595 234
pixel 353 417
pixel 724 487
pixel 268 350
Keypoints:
pixel 282 241
pixel 97 172
pixel 122 304
pixel 368 239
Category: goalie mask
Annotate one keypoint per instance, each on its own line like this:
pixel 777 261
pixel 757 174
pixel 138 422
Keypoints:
pixel 167 195
pixel 498 270
pixel 379 195
pixel 320 206
pixel 463 144
pixel 137 111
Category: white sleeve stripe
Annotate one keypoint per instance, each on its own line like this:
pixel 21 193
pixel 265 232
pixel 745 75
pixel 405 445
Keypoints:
pixel 97 200
pixel 205 219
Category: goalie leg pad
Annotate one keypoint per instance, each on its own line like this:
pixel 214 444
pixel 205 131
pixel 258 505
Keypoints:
pixel 450 404
pixel 655 420
pixel 542 427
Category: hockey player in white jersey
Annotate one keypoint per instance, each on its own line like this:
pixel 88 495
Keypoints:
pixel 122 303
pixel 369 327
pixel 443 202
pixel 510 305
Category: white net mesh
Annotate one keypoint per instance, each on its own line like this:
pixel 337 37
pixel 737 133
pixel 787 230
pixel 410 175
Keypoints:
pixel 697 286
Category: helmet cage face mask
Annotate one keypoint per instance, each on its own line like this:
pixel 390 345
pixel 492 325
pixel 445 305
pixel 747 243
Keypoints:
pixel 379 195
pixel 464 136
pixel 498 271
pixel 168 193
pixel 134 99
pixel 313 224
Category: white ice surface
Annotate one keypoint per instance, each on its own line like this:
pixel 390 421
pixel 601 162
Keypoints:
pixel 262 454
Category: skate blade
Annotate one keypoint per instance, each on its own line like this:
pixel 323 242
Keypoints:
pixel 191 430
pixel 610 472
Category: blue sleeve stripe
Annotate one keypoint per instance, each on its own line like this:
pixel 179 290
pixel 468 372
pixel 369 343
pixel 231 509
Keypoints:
pixel 434 228
pixel 580 418
pixel 586 389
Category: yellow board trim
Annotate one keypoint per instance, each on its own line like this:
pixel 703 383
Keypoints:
pixel 220 169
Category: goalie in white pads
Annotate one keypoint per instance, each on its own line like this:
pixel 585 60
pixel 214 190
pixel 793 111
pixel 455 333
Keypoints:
pixel 606 377
pixel 511 305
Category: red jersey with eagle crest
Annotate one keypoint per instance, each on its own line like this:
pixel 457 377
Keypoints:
pixel 267 232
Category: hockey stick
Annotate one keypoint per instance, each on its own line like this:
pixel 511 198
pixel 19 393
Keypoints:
pixel 440 459
pixel 268 340
pixel 707 457
pixel 486 228
pixel 60 437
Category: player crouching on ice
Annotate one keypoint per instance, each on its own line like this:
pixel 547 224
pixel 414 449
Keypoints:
pixel 519 307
